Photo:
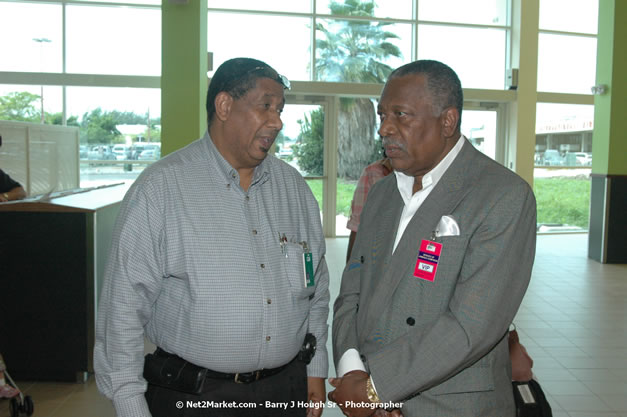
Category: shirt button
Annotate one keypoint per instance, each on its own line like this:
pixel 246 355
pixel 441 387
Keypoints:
pixel 233 175
pixel 268 338
pixel 254 232
pixel 247 198
pixel 228 186
pixel 269 301
pixel 411 321
pixel 263 266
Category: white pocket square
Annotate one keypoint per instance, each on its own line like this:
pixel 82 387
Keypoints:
pixel 447 227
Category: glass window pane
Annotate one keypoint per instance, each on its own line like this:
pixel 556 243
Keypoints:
pixel 479 126
pixel 155 2
pixel 477 67
pixel 357 51
pixel 563 164
pixel 359 145
pixel 32 47
pixel 132 46
pixel 23 103
pixel 295 6
pixel 301 143
pixel 569 15
pixel 400 9
pixel 135 100
pixel 481 12
pixel 283 42
pixel 115 116
pixel 566 64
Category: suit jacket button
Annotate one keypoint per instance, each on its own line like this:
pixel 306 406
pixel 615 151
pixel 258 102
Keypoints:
pixel 411 321
pixel 361 259
pixel 363 358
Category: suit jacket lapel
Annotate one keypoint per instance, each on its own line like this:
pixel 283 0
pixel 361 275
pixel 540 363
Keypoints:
pixel 441 201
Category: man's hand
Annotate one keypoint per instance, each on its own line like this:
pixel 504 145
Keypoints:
pixel 352 387
pixel 315 394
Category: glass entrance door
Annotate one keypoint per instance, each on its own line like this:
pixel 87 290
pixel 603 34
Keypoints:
pixel 301 143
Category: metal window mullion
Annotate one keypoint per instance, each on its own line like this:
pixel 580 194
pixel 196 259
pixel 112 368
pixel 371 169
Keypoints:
pixel 106 4
pixel 63 64
pixel 414 28
pixel 313 49
pixel 565 33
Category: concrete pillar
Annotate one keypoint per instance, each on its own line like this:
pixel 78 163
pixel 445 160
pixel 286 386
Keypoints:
pixel 183 73
pixel 607 240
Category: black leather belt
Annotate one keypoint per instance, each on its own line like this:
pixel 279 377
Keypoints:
pixel 240 377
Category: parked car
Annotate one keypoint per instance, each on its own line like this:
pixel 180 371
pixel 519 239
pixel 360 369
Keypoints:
pixel 120 151
pixel 552 157
pixel 150 153
pixel 583 158
pixel 101 152
pixel 285 152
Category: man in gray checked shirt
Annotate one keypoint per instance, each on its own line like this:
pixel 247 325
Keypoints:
pixel 218 259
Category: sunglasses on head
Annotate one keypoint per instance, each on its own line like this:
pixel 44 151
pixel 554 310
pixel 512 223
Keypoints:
pixel 281 79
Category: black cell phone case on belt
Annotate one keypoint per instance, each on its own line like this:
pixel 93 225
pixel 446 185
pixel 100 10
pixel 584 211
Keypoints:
pixel 174 373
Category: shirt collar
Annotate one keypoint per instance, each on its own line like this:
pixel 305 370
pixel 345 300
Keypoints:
pixel 261 173
pixel 405 183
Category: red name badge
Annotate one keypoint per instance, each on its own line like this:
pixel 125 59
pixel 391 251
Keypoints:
pixel 428 258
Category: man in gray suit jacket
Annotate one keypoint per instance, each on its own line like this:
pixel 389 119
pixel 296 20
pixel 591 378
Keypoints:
pixel 440 265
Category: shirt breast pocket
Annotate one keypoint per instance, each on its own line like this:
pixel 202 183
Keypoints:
pixel 294 263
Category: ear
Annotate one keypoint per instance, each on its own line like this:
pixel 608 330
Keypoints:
pixel 449 119
pixel 223 103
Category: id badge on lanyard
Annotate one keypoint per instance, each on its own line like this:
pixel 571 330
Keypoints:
pixel 428 259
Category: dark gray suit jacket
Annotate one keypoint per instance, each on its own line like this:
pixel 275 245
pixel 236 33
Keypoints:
pixel 440 346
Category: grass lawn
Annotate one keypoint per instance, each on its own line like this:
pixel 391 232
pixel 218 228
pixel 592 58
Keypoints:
pixel 345 191
pixel 561 200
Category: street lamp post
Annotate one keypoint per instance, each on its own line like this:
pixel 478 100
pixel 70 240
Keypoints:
pixel 41 42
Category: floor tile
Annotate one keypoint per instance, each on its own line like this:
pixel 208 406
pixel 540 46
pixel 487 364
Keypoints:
pixel 582 403
pixel 566 388
pixel 572 322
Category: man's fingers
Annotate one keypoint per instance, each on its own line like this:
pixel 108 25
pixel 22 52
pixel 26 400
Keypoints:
pixel 334 381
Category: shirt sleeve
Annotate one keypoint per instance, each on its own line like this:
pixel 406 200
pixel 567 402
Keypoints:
pixel 131 285
pixel 7 183
pixel 350 361
pixel 319 308
pixel 318 314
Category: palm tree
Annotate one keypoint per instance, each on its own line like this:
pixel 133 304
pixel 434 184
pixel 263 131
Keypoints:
pixel 354 51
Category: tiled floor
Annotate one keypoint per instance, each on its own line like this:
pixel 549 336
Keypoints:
pixel 573 322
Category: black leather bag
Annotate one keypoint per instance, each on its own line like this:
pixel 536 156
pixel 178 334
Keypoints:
pixel 174 373
pixel 530 400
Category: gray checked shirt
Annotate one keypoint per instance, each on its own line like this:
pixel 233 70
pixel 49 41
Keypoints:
pixel 196 265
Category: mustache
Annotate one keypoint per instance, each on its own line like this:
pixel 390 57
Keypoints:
pixel 386 141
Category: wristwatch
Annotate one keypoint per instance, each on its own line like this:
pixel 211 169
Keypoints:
pixel 6 195
pixel 371 392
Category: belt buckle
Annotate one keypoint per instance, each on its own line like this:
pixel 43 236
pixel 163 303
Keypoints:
pixel 248 377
